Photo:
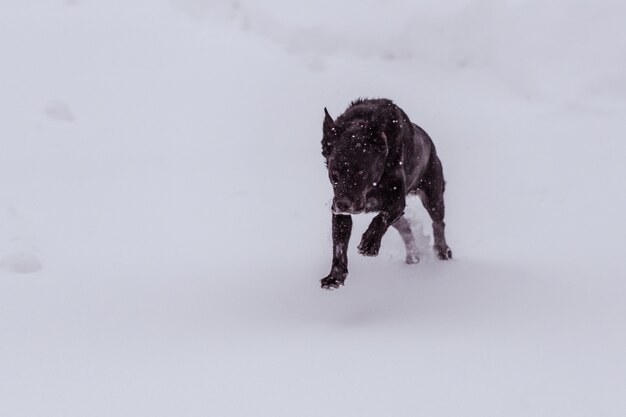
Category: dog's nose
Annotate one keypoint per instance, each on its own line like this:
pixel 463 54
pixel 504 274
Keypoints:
pixel 342 204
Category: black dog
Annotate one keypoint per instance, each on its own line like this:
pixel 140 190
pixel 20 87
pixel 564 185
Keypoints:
pixel 375 157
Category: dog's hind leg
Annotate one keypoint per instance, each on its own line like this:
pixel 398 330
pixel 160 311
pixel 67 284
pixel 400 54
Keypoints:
pixel 403 226
pixel 431 194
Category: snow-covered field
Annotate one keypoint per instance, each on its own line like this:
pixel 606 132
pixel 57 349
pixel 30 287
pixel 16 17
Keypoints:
pixel 164 210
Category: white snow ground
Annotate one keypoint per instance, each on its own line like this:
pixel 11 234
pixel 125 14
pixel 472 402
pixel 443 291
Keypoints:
pixel 164 217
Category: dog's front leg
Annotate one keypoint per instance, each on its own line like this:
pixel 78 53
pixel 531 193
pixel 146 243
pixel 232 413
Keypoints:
pixel 342 228
pixel 370 241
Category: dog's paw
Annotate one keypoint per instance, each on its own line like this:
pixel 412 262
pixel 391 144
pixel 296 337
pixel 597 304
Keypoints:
pixel 334 280
pixel 331 283
pixel 412 258
pixel 369 246
pixel 444 253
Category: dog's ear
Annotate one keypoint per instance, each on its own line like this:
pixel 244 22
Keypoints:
pixel 329 124
pixel 330 132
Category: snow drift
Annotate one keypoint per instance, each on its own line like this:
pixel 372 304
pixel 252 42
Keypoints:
pixel 164 217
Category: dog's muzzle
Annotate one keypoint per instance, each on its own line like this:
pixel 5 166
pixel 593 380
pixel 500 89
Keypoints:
pixel 345 205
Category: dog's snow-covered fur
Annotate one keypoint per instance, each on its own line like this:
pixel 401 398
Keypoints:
pixel 375 157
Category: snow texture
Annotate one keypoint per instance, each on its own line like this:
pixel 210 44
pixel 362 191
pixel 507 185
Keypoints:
pixel 165 210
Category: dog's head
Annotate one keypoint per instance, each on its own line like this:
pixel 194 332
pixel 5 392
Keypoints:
pixel 355 156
